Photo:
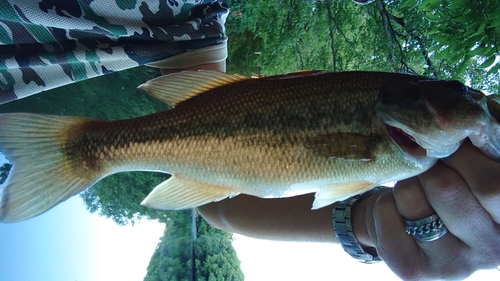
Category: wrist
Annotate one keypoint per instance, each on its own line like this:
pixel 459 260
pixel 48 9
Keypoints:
pixel 360 223
pixel 342 219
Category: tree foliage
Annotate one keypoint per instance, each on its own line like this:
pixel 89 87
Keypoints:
pixel 4 172
pixel 118 197
pixel 171 260
pixel 442 39
pixel 215 258
pixel 464 29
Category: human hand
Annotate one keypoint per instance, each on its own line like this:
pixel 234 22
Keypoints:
pixel 464 190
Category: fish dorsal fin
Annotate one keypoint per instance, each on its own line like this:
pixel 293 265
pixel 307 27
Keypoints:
pixel 300 73
pixel 348 146
pixel 293 75
pixel 340 192
pixel 177 193
pixel 257 76
pixel 178 87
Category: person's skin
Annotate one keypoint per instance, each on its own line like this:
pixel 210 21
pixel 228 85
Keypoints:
pixel 282 219
pixel 463 189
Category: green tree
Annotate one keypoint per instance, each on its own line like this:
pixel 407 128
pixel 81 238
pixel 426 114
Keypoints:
pixel 172 258
pixel 4 172
pixel 118 197
pixel 458 39
pixel 418 36
pixel 215 257
pixel 463 30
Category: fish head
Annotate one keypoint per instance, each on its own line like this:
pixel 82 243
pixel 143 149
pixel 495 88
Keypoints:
pixel 431 114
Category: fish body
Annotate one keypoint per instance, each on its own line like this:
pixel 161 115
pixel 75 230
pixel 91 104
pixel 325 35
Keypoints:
pixel 275 136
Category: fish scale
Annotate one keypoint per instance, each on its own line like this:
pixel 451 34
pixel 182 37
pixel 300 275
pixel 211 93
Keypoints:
pixel 276 136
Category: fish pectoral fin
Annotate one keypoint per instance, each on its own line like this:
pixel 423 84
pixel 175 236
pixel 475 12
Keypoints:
pixel 178 87
pixel 336 193
pixel 349 146
pixel 177 193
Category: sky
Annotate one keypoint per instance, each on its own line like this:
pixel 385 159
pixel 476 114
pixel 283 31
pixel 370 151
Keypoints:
pixel 68 243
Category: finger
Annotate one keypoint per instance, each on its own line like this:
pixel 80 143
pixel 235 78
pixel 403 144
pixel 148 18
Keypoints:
pixel 481 174
pixel 394 246
pixel 455 204
pixel 412 203
pixel 410 199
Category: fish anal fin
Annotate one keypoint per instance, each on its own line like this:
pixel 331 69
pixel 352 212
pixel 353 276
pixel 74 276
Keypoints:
pixel 178 87
pixel 336 193
pixel 178 193
pixel 348 146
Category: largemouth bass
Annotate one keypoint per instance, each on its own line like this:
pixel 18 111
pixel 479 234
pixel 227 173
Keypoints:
pixel 334 134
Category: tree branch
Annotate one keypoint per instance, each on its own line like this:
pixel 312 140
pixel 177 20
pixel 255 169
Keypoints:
pixel 391 34
pixel 297 48
pixel 388 32
pixel 340 30
pixel 332 36
pixel 420 43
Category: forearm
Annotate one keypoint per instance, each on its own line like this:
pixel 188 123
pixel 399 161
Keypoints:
pixel 286 219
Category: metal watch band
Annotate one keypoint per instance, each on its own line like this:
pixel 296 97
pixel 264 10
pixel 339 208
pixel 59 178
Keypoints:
pixel 342 226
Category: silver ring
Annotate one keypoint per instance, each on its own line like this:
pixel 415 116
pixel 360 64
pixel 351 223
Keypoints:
pixel 427 229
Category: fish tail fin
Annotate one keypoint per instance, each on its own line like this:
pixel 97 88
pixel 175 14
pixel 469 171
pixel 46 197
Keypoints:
pixel 43 172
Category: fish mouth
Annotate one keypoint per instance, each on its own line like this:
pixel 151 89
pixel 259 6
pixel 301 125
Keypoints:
pixel 405 141
pixel 400 136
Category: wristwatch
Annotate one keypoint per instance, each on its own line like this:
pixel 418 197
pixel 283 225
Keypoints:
pixel 342 226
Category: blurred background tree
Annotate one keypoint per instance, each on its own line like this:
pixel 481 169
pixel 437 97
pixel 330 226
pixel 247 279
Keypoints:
pixel 444 39
pixel 214 256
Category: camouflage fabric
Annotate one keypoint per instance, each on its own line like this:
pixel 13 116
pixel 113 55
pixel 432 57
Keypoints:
pixel 49 43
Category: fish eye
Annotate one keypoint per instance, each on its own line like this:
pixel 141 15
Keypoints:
pixel 458 86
